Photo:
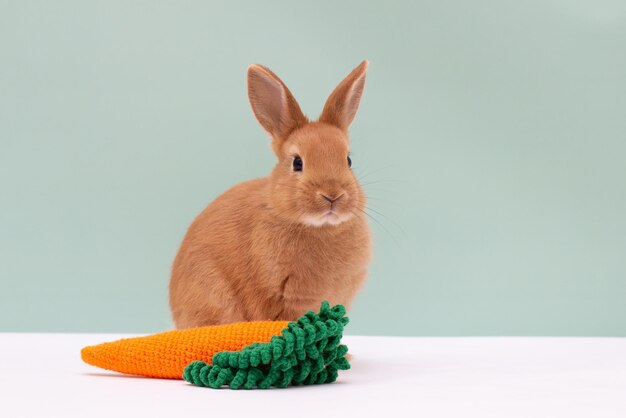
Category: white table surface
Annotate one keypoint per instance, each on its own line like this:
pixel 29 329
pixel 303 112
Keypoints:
pixel 42 375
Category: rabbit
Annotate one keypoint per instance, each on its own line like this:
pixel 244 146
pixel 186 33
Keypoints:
pixel 274 248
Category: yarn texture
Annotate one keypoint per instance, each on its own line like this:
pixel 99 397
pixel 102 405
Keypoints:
pixel 166 354
pixel 308 352
pixel 247 355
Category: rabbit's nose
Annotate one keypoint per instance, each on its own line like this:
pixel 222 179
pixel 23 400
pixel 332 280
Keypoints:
pixel 332 200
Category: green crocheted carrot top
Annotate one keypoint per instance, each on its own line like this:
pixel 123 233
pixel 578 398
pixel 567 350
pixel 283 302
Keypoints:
pixel 308 351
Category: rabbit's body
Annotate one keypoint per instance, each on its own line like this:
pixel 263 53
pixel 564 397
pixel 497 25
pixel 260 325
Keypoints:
pixel 245 265
pixel 273 248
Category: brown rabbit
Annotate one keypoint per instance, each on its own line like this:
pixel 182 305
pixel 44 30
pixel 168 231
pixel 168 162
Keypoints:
pixel 275 247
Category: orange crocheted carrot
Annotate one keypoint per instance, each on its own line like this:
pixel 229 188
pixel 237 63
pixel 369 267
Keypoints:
pixel 165 355
pixel 244 355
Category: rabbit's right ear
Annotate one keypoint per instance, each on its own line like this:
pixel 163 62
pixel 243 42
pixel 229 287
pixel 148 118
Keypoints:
pixel 273 104
pixel 341 106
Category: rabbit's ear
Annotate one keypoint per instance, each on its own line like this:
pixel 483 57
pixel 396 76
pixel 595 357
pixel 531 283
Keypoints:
pixel 272 103
pixel 343 102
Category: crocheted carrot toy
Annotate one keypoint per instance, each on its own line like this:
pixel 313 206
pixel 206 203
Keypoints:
pixel 241 355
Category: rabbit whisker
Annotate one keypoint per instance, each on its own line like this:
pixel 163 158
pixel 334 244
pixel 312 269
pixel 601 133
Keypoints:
pixel 379 223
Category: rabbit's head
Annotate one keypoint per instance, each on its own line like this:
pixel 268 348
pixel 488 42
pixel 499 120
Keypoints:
pixel 312 183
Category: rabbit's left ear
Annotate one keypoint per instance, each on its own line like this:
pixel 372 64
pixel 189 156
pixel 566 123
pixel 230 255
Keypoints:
pixel 273 104
pixel 341 106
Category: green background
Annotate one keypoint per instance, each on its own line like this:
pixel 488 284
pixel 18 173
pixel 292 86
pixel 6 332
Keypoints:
pixel 492 137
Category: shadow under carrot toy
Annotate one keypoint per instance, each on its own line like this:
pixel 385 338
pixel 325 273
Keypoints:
pixel 246 355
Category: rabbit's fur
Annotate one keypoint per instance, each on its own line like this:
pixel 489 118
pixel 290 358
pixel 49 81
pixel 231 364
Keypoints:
pixel 273 248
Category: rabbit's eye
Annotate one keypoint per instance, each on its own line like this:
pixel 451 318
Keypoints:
pixel 349 161
pixel 297 163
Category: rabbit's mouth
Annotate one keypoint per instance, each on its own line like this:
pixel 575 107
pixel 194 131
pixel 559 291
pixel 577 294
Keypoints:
pixel 329 217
